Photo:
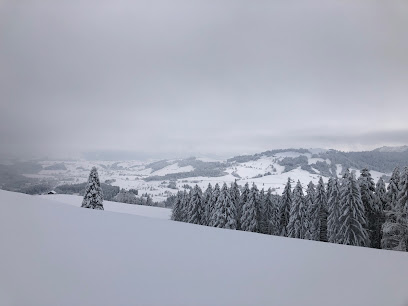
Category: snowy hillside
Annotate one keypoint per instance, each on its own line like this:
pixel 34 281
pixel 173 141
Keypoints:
pixel 161 178
pixel 392 149
pixel 58 254
pixel 139 210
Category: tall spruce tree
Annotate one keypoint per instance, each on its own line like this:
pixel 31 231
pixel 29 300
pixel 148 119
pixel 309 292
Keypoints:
pixel 224 216
pixel 93 197
pixel 207 204
pixel 393 190
pixel 297 226
pixel 215 195
pixel 333 219
pixel 235 194
pixel 367 189
pixel 249 218
pixel 285 205
pixel 242 200
pixel 352 216
pixel 321 202
pixel 195 211
pixel 185 206
pixel 271 214
pixel 312 214
pixel 381 199
pixel 395 229
pixel 261 212
pixel 176 214
pixel 329 188
pixel 381 194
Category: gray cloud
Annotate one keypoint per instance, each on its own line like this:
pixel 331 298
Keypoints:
pixel 200 76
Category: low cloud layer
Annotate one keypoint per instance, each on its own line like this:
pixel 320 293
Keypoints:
pixel 186 77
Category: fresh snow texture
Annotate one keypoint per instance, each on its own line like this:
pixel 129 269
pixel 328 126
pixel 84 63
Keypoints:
pixel 57 254
pixel 140 210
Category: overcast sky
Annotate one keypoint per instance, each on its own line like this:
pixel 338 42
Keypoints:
pixel 189 77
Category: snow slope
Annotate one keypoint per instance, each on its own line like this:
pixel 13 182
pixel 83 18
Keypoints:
pixel 58 254
pixel 140 210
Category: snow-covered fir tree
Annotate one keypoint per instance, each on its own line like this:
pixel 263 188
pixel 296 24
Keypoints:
pixel 395 229
pixel 321 202
pixel 243 199
pixel 297 217
pixel 367 190
pixel 329 189
pixel 333 219
pixel 176 214
pixel 149 201
pixel 93 197
pixel 185 206
pixel 352 216
pixel 261 212
pixel 381 200
pixel 312 214
pixel 249 218
pixel 381 194
pixel 235 193
pixel 196 211
pixel 285 205
pixel 207 205
pixel 235 197
pixel 214 198
pixel 271 213
pixel 224 215
pixel 393 190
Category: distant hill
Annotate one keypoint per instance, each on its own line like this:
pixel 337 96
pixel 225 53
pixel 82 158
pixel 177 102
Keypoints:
pixel 391 149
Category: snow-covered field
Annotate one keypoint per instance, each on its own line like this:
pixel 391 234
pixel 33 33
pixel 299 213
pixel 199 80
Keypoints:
pixel 266 172
pixel 58 254
pixel 140 210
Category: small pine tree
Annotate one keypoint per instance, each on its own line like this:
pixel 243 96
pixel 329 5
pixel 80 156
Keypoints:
pixel 333 219
pixel 352 216
pixel 297 218
pixel 149 201
pixel 207 205
pixel 285 205
pixel 395 229
pixel 249 219
pixel 93 197
pixel 321 202
pixel 196 211
pixel 243 199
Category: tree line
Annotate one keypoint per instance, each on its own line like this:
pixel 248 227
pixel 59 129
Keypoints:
pixel 347 211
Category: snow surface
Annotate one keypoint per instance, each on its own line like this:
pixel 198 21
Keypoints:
pixel 174 168
pixel 140 210
pixel 58 254
pixel 132 174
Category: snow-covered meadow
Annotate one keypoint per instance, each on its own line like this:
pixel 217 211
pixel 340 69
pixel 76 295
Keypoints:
pixel 266 172
pixel 58 254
